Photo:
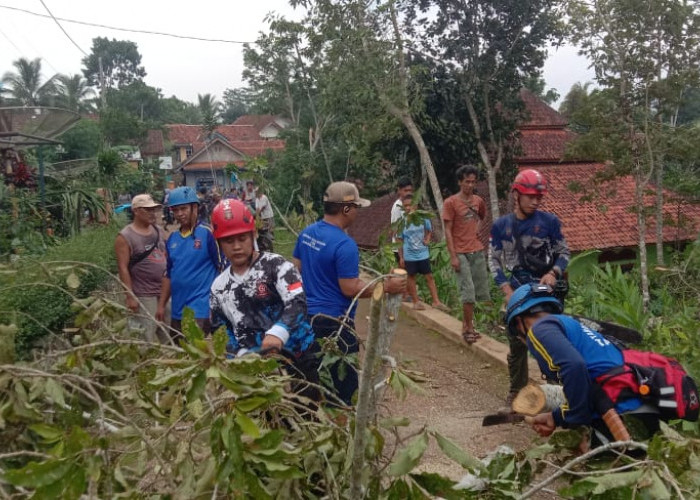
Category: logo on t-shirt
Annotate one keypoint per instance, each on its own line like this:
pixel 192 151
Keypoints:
pixel 261 291
pixel 197 244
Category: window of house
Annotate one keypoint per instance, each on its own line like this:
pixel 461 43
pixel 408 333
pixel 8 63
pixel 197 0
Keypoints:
pixel 188 151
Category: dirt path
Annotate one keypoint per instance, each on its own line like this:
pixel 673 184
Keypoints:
pixel 461 388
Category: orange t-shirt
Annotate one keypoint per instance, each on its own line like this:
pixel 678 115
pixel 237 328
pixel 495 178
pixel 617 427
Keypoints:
pixel 465 217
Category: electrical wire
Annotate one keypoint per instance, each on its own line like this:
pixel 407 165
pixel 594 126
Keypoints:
pixel 64 31
pixel 21 52
pixel 84 23
pixel 13 43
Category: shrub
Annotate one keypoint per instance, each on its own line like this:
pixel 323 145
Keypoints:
pixel 37 293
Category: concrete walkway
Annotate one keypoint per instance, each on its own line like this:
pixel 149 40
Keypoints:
pixel 450 327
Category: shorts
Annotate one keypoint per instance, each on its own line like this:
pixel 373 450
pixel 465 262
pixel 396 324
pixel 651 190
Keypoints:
pixel 473 278
pixel 414 267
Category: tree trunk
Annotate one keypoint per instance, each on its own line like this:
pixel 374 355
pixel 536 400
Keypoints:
pixel 639 187
pixel 659 213
pixel 491 169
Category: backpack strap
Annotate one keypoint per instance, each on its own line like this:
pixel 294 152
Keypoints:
pixel 135 259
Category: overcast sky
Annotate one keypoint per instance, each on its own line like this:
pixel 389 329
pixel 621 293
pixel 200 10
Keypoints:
pixel 178 66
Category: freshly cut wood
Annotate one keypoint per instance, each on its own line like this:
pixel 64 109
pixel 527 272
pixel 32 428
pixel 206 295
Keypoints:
pixel 531 400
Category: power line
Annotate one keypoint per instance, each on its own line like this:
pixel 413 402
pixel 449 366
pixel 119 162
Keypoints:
pixel 13 43
pixel 21 52
pixel 159 33
pixel 64 31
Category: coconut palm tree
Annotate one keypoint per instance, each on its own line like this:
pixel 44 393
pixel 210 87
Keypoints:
pixel 210 108
pixel 25 85
pixel 74 94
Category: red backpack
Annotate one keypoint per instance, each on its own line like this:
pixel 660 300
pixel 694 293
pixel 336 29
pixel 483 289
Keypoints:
pixel 655 379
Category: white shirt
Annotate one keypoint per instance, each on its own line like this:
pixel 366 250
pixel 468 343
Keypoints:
pixel 396 214
pixel 262 203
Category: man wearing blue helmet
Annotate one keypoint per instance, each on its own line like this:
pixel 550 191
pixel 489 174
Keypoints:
pixel 194 261
pixel 581 359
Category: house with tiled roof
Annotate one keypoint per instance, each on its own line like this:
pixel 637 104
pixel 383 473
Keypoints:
pixel 268 126
pixel 201 159
pixel 595 215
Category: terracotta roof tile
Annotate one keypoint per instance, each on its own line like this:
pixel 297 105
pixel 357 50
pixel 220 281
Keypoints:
pixel 602 216
pixel 543 145
pixel 540 114
pixel 243 138
pixel 372 222
pixel 258 122
pixel 154 145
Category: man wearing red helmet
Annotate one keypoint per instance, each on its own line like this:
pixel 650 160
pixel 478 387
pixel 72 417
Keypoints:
pixel 526 246
pixel 259 297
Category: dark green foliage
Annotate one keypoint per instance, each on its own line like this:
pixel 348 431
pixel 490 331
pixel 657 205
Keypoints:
pixel 81 141
pixel 121 63
pixel 35 294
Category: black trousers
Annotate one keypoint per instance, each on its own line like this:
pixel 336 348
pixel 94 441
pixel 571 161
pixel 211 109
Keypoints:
pixel 343 373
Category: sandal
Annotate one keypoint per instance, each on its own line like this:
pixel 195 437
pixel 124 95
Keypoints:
pixel 470 336
pixel 441 307
pixel 418 306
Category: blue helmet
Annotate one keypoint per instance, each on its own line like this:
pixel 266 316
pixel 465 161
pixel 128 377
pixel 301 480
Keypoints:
pixel 182 196
pixel 525 298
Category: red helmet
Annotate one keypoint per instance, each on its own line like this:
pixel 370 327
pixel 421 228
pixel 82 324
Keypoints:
pixel 231 217
pixel 530 182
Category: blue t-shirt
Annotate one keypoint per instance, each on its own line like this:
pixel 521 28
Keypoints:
pixel 326 254
pixel 193 264
pixel 575 355
pixel 413 247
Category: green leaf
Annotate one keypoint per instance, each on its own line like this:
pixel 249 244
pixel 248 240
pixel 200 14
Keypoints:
pixel 251 403
pixel 168 377
pixel 55 392
pixel 220 341
pixel 49 433
pixel 36 474
pixel 190 328
pixel 409 456
pixel 388 423
pixel 248 426
pixel 199 382
pixel 657 489
pixel 437 485
pixel 456 453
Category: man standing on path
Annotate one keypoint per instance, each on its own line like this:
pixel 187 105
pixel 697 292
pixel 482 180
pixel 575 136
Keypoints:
pixel 194 261
pixel 527 246
pixel 329 263
pixel 141 261
pixel 462 213
pixel 403 188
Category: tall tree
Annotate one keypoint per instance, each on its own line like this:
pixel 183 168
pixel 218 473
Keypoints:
pixel 112 63
pixel 492 49
pixel 574 101
pixel 26 85
pixel 647 53
pixel 367 47
pixel 74 94
pixel 236 103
